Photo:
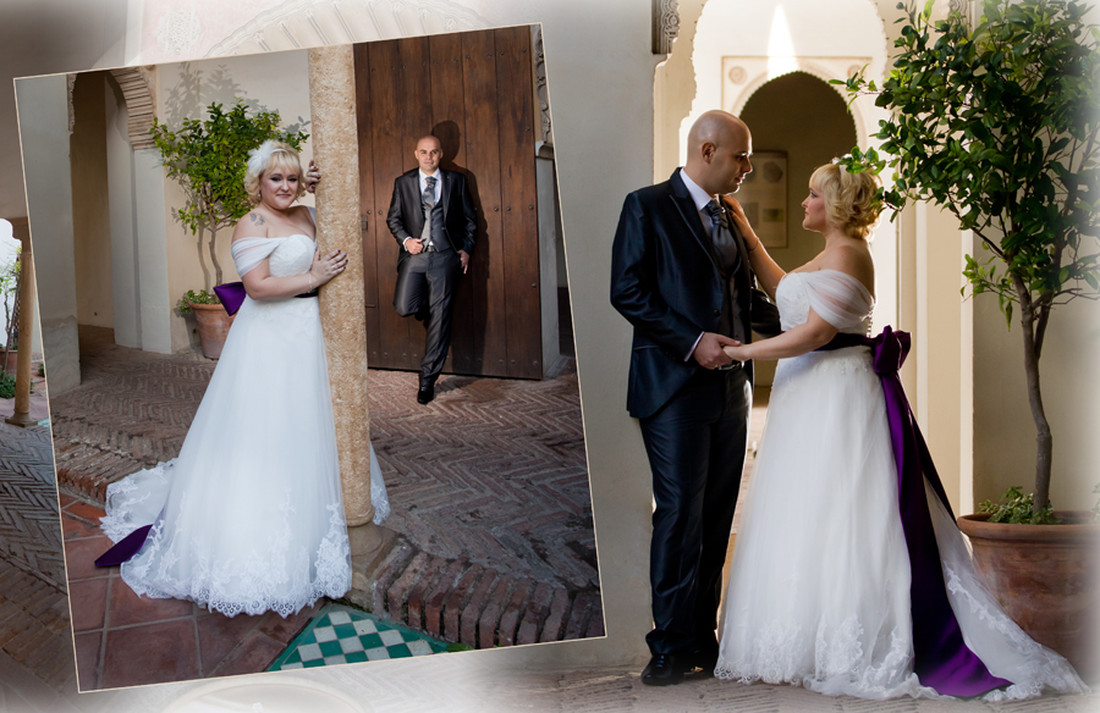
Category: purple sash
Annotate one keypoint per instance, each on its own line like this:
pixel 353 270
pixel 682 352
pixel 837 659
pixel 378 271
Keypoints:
pixel 124 549
pixel 231 294
pixel 942 659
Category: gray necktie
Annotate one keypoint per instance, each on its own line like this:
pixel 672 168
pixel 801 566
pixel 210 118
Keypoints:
pixel 428 201
pixel 725 249
pixel 728 259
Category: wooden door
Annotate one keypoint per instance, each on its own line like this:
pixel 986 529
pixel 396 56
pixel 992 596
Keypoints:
pixel 475 92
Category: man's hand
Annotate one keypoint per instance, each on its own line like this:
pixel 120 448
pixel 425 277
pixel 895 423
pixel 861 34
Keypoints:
pixel 708 352
pixel 414 246
pixel 465 258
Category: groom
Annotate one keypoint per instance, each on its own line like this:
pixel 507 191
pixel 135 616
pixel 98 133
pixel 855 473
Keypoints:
pixel 680 274
pixel 433 219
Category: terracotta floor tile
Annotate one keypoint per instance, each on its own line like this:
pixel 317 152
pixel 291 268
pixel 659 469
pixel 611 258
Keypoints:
pixel 80 555
pixel 254 654
pixel 164 651
pixel 220 635
pixel 84 510
pixel 286 629
pixel 74 527
pixel 88 601
pixel 88 647
pixel 127 608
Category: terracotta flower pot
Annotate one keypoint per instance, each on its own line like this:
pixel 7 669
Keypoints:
pixel 1045 577
pixel 213 326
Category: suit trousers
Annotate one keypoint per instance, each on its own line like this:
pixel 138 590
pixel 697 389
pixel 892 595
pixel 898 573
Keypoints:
pixel 696 447
pixel 426 286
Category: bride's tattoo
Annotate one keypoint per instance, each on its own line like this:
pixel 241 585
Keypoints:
pixel 257 219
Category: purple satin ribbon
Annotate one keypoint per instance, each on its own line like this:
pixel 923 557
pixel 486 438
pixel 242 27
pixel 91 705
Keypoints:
pixel 942 659
pixel 126 548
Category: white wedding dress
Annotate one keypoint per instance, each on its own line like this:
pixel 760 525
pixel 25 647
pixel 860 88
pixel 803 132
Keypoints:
pixel 249 517
pixel 818 593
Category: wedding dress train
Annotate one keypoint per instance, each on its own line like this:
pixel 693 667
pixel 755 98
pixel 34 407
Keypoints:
pixel 249 517
pixel 819 588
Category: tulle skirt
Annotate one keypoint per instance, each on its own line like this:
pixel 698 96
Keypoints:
pixel 249 517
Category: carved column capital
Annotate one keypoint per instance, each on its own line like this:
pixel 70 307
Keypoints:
pixel 666 25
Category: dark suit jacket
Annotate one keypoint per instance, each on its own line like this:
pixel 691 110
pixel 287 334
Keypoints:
pixel 406 215
pixel 666 283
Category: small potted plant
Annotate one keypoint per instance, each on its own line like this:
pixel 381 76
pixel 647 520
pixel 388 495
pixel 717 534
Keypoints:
pixel 996 123
pixel 207 157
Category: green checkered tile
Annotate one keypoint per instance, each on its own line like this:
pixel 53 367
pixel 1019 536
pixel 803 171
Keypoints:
pixel 339 634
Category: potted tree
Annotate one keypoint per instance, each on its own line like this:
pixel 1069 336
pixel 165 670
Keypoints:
pixel 207 157
pixel 9 290
pixel 997 124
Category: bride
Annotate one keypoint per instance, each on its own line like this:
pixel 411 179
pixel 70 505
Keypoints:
pixel 823 589
pixel 249 517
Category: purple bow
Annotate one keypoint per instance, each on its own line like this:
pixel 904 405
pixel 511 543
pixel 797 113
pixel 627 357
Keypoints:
pixel 942 660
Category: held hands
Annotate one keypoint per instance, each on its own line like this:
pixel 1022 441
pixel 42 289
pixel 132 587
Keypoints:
pixel 737 351
pixel 414 245
pixel 710 351
pixel 327 267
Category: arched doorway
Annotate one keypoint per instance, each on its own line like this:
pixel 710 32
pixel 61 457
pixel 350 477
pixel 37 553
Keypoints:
pixel 786 153
pixel 728 51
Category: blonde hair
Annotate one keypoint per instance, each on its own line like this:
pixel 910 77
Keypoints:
pixel 851 199
pixel 270 155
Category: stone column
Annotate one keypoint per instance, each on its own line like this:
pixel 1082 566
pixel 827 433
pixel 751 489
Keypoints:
pixel 22 412
pixel 343 309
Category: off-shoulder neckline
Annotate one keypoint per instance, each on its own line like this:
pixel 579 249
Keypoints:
pixel 272 237
pixel 853 278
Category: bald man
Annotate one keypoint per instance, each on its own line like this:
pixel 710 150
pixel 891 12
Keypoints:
pixel 433 219
pixel 680 274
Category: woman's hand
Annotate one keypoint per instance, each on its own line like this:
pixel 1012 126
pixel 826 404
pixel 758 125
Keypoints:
pixel 737 352
pixel 752 242
pixel 327 267
pixel 312 177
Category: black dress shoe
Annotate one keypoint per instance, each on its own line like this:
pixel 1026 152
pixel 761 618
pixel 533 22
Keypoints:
pixel 425 393
pixel 664 670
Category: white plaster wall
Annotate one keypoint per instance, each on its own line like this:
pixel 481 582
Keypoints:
pixel 43 129
pixel 779 30
pixel 1004 433
pixel 125 293
pixel 276 81
pixel 938 399
pixel 146 203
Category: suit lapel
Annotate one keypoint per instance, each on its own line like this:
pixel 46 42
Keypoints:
pixel 444 191
pixel 416 204
pixel 681 198
pixel 744 270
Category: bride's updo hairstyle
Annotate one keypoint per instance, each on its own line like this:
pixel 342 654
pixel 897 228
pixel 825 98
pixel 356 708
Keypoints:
pixel 268 156
pixel 851 201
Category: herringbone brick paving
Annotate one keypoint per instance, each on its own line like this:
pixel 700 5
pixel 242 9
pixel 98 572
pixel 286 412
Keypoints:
pixel 34 612
pixel 488 486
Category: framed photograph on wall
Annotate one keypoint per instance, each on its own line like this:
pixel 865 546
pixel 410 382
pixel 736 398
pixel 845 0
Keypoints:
pixel 763 195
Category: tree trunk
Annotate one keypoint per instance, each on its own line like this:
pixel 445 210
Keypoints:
pixel 214 257
pixel 1044 442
